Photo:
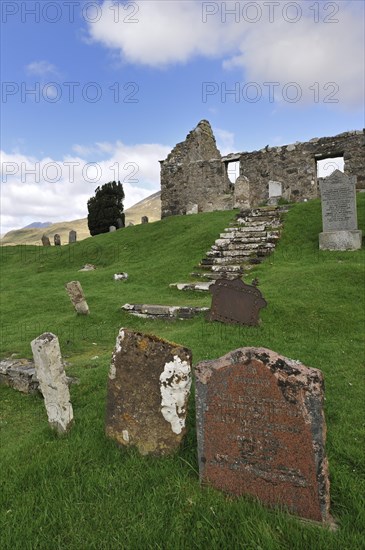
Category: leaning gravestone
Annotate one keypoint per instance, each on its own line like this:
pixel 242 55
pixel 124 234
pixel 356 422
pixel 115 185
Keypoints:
pixel 339 216
pixel 148 390
pixel 77 297
pixel 235 302
pixel 57 240
pixel 45 241
pixel 72 236
pixel 52 381
pixel 261 430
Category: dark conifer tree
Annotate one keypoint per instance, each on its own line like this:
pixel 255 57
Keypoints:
pixel 105 208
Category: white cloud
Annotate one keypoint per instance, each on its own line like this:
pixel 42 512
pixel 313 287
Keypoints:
pixel 304 52
pixel 225 141
pixel 41 68
pixel 46 189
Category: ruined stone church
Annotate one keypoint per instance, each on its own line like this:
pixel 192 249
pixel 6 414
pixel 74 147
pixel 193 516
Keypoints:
pixel 195 176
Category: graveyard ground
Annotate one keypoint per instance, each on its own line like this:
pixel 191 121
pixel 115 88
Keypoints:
pixel 81 491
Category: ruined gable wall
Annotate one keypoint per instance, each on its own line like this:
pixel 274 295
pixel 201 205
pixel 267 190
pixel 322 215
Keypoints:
pixel 294 166
pixel 193 174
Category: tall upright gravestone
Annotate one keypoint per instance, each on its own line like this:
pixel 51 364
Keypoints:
pixel 261 430
pixel 148 391
pixel 57 239
pixel 339 216
pixel 52 381
pixel 72 236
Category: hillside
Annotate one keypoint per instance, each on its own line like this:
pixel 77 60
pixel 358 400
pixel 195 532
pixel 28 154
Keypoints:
pixel 151 207
pixel 82 491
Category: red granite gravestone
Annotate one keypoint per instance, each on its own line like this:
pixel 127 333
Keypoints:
pixel 235 302
pixel 261 430
pixel 148 391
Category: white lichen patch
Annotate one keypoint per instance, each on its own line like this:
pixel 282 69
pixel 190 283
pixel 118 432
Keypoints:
pixel 125 435
pixel 175 383
pixel 117 349
pixel 112 371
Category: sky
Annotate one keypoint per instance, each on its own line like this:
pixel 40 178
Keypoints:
pixel 95 91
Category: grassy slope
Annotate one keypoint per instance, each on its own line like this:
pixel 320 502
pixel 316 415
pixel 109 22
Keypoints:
pixel 82 491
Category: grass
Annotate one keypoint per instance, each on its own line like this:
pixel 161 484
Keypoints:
pixel 81 491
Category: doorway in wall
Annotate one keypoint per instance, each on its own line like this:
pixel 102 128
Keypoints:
pixel 326 166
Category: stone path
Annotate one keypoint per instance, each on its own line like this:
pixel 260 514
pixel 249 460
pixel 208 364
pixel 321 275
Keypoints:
pixel 248 241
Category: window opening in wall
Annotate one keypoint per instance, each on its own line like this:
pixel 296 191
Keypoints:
pixel 326 166
pixel 233 171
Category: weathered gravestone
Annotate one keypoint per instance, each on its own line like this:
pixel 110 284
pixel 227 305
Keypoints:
pixel 112 228
pixel 148 390
pixel 233 301
pixel 144 219
pixel 72 236
pixel 57 240
pixel 77 297
pixel 261 430
pixel 339 215
pixel 46 241
pixel 52 381
pixel 120 223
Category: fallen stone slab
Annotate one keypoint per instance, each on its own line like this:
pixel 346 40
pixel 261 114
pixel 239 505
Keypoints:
pixel 88 267
pixel 200 287
pixel 120 276
pixel 20 375
pixel 163 312
pixel 148 391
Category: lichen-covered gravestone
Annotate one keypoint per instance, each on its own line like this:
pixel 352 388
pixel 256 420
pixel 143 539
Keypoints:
pixel 261 430
pixel 339 216
pixel 77 297
pixel 52 381
pixel 148 390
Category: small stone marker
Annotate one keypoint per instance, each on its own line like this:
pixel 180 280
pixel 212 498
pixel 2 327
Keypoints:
pixel 46 241
pixel 233 301
pixel 144 219
pixel 261 430
pixel 57 240
pixel 112 228
pixel 120 276
pixel 72 236
pixel 52 381
pixel 339 215
pixel 148 391
pixel 77 297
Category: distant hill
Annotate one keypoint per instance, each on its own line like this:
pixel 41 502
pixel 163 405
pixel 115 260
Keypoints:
pixel 37 225
pixel 32 234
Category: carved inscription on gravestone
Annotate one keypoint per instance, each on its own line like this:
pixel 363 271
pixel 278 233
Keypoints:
pixel 338 196
pixel 261 430
pixel 235 302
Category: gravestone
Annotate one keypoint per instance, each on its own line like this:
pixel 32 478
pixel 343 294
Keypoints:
pixel 57 240
pixel 261 430
pixel 144 219
pixel 339 216
pixel 120 223
pixel 52 381
pixel 77 297
pixel 112 228
pixel 148 391
pixel 46 241
pixel 242 193
pixel 72 236
pixel 233 301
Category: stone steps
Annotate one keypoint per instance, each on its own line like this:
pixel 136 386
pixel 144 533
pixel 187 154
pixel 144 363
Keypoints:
pixel 245 243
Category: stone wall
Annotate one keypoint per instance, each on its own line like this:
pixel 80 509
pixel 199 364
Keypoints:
pixel 294 166
pixel 194 175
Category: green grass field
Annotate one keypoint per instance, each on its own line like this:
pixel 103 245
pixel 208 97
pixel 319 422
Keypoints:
pixel 83 492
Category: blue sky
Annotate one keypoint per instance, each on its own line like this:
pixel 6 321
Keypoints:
pixel 118 84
